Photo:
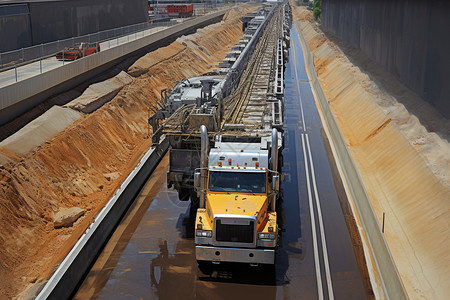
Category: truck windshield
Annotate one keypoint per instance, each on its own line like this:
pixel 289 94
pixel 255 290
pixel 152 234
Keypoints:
pixel 244 182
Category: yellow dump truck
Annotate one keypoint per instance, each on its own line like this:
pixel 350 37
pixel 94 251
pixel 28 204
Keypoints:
pixel 225 144
pixel 238 185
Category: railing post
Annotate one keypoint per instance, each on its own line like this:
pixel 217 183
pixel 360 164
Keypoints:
pixel 15 71
pixel 40 64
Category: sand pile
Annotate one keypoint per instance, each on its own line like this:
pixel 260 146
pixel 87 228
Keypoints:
pixel 400 145
pixel 83 165
pixel 99 93
pixel 48 125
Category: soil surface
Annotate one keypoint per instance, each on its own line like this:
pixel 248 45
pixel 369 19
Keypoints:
pixel 82 165
pixel 400 145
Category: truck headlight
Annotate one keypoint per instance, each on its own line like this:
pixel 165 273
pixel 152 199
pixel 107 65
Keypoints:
pixel 264 235
pixel 203 233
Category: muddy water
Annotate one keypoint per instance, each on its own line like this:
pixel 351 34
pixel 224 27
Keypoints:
pixel 152 253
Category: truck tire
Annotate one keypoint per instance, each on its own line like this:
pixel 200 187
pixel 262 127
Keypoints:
pixel 195 201
pixel 206 267
pixel 183 194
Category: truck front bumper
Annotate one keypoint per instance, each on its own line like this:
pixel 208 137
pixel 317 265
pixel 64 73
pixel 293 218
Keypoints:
pixel 242 255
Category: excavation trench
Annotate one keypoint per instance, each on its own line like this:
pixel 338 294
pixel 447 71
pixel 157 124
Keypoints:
pixel 83 161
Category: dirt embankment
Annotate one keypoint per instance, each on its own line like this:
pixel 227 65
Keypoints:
pixel 400 145
pixel 83 165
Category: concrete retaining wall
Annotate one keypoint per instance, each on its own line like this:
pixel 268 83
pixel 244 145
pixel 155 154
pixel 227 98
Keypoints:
pixel 390 278
pixel 408 38
pixel 15 32
pixel 17 98
pixel 48 21
pixel 66 278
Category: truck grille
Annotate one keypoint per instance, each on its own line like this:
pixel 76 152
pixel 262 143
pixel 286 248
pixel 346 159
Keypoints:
pixel 235 233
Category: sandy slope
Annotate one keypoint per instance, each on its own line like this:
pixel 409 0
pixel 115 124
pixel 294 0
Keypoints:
pixel 83 165
pixel 401 147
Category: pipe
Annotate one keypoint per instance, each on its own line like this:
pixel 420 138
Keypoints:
pixel 274 160
pixel 274 150
pixel 203 164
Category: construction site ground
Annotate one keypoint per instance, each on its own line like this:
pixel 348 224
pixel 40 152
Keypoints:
pixel 400 145
pixel 86 153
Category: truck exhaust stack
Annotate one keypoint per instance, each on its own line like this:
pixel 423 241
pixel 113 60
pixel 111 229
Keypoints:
pixel 204 150
pixel 274 160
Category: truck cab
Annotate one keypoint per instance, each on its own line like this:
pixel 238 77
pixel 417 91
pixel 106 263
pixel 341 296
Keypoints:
pixel 238 221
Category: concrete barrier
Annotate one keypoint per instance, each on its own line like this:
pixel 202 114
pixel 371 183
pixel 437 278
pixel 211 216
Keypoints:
pixel 21 96
pixel 68 275
pixel 390 279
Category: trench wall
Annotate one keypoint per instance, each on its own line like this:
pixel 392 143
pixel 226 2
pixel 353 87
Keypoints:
pixel 408 38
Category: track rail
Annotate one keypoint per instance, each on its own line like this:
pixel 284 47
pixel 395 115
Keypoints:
pixel 248 102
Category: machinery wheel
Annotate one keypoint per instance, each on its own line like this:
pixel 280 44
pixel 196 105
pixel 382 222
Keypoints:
pixel 194 203
pixel 205 267
pixel 183 194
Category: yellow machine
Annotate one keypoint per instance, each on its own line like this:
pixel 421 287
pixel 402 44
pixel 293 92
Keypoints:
pixel 237 221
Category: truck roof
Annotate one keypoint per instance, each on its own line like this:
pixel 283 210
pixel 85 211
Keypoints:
pixel 228 156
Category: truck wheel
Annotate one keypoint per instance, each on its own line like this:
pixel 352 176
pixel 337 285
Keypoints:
pixel 205 267
pixel 194 203
pixel 183 194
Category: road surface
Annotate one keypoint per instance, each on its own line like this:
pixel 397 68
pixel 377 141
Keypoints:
pixel 152 253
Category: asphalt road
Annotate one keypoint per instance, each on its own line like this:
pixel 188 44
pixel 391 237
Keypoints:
pixel 152 253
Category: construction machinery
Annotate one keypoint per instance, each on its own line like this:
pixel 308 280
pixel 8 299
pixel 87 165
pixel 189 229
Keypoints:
pixel 225 132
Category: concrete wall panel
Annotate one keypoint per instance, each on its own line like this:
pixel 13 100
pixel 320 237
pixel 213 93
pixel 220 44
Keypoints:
pixel 57 20
pixel 14 32
pixel 50 21
pixel 407 38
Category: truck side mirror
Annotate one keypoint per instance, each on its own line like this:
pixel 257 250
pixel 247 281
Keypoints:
pixel 276 183
pixel 197 180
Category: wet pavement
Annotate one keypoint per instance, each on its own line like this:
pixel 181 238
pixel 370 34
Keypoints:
pixel 151 255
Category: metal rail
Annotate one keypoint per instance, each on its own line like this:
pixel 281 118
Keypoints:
pixel 260 67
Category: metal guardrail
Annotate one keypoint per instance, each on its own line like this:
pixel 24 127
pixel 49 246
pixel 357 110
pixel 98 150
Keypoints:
pixel 33 87
pixel 16 58
pixel 237 69
pixel 390 278
pixel 20 57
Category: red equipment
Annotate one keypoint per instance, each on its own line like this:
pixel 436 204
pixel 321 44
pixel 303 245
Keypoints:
pixel 78 50
pixel 182 10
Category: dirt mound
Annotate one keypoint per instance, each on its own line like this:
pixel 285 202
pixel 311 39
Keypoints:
pixel 83 165
pixel 400 145
pixel 99 93
pixel 45 127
